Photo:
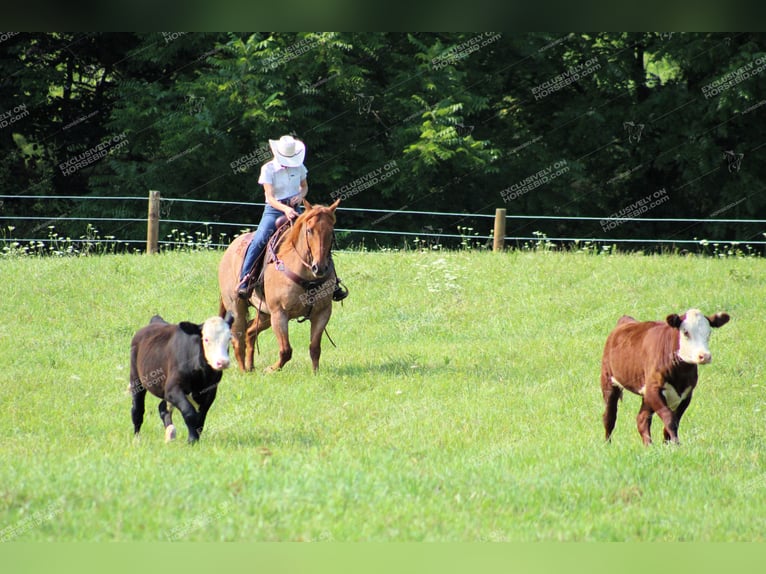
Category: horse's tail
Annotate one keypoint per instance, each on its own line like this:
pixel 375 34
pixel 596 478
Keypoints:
pixel 221 307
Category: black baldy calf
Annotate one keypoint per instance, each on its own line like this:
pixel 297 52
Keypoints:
pixel 179 363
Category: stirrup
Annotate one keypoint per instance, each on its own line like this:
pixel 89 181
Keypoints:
pixel 243 290
pixel 340 292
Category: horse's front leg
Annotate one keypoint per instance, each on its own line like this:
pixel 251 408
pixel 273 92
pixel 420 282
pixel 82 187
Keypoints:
pixel 279 323
pixel 238 329
pixel 319 320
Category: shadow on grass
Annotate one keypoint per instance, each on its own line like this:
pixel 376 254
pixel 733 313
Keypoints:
pixel 287 439
pixel 401 366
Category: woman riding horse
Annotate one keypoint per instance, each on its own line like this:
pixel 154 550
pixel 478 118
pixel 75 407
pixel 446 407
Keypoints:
pixel 285 186
pixel 299 284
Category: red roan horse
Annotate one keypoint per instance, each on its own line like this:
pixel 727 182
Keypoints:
pixel 299 283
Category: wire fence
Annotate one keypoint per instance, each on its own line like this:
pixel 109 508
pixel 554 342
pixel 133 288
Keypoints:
pixel 435 229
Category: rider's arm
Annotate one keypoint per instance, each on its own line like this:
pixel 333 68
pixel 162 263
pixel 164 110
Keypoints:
pixel 268 190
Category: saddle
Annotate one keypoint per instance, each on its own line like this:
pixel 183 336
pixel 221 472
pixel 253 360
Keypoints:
pixel 255 283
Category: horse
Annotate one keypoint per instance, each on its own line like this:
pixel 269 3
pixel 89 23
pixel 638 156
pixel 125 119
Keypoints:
pixel 298 283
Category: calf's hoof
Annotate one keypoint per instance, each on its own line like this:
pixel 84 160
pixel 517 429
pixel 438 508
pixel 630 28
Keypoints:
pixel 170 433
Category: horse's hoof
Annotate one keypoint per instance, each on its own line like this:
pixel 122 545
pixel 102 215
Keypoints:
pixel 170 433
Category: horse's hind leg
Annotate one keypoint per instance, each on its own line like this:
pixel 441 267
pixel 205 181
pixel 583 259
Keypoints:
pixel 167 420
pixel 261 322
pixel 279 323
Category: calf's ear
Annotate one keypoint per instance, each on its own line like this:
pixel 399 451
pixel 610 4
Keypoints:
pixel 190 328
pixel 674 320
pixel 719 319
pixel 228 318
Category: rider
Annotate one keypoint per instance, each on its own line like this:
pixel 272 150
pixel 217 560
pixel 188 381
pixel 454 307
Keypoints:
pixel 285 185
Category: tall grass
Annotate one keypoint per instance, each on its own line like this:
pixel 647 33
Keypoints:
pixel 462 404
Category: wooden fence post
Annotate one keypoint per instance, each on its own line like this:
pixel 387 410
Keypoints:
pixel 499 235
pixel 153 223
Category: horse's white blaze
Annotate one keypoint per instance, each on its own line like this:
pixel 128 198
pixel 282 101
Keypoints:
pixel 216 335
pixel 693 337
pixel 672 398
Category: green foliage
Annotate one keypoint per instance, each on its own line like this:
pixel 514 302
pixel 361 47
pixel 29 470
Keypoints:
pixel 464 116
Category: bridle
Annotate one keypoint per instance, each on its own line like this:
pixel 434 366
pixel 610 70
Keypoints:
pixel 309 260
pixel 309 255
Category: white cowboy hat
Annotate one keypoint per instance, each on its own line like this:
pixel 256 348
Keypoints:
pixel 288 151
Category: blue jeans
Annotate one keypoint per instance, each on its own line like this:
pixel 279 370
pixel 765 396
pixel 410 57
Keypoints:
pixel 266 228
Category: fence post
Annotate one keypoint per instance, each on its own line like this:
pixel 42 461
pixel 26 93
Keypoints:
pixel 153 223
pixel 499 235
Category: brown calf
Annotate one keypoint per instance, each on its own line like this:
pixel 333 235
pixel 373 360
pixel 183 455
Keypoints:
pixel 657 360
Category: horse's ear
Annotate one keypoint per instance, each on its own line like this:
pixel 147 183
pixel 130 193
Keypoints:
pixel 334 204
pixel 307 205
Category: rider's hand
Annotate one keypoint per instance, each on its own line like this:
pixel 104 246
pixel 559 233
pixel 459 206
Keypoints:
pixel 291 213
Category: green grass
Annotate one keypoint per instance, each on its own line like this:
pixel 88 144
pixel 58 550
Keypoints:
pixel 462 404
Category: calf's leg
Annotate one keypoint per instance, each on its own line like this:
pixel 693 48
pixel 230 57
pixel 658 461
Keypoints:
pixel 176 396
pixel 670 421
pixel 205 401
pixel 644 423
pixel 678 414
pixel 167 420
pixel 656 403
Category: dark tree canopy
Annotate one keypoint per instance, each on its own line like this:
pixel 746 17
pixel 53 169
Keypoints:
pixel 580 124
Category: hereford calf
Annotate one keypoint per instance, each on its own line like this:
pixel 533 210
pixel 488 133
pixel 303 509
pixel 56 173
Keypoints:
pixel 657 360
pixel 179 364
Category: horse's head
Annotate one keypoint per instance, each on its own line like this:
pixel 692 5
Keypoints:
pixel 315 227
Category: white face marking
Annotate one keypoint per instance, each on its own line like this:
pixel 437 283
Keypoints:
pixel 215 342
pixel 672 398
pixel 693 337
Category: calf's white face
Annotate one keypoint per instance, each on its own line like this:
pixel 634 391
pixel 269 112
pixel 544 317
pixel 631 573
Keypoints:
pixel 216 334
pixel 694 333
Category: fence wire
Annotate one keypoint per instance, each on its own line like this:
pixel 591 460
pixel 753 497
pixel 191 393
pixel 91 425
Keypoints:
pixel 430 231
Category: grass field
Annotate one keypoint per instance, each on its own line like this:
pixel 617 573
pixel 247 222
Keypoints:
pixel 462 404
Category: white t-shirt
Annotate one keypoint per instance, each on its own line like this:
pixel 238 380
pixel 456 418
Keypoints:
pixel 286 181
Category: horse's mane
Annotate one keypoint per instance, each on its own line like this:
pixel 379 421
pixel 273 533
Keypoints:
pixel 293 235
